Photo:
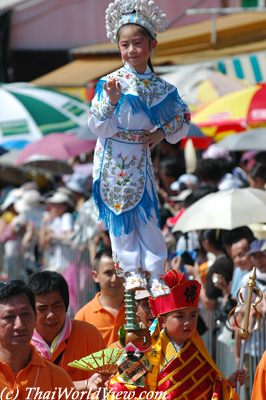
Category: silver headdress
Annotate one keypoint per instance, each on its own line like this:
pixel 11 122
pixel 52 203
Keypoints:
pixel 141 12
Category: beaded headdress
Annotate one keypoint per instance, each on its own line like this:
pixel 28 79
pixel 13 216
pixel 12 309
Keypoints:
pixel 184 293
pixel 140 12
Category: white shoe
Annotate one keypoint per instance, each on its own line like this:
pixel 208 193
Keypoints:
pixel 158 287
pixel 134 281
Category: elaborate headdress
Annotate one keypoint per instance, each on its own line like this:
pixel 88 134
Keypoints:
pixel 140 12
pixel 184 293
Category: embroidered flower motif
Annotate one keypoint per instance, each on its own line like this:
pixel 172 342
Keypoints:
pixel 187 116
pixel 127 76
pixel 118 206
pixel 118 269
pixel 146 83
pixel 123 178
pixel 122 174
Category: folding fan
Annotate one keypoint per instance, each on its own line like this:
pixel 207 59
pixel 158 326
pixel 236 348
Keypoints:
pixel 103 361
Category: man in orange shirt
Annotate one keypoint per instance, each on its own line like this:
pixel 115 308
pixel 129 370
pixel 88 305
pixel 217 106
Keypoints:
pixel 106 310
pixel 24 374
pixel 56 337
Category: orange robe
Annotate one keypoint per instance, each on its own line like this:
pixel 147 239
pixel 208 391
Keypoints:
pixel 38 376
pixel 259 385
pixel 106 323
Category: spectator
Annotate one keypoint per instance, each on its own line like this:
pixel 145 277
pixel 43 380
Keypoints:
pixel 257 176
pixel 79 185
pixel 210 172
pixel 55 241
pixel 257 253
pixel 241 260
pixel 8 234
pixel 240 257
pixel 259 385
pixel 220 270
pixel 57 224
pixel 30 209
pixel 55 336
pixel 22 370
pixel 229 237
pixel 106 310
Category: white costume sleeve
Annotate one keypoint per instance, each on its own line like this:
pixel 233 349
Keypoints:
pixel 102 121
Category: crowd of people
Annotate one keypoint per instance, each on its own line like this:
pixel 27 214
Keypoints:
pixel 142 184
pixel 220 260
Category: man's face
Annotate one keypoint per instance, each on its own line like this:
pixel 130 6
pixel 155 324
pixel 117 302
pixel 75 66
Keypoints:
pixel 50 316
pixel 106 277
pixel 259 260
pixel 239 255
pixel 17 321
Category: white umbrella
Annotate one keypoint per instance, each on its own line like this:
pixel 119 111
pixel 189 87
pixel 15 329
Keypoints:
pixel 29 112
pixel 226 209
pixel 254 139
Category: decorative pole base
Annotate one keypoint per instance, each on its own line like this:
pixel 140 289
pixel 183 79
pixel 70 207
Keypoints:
pixel 131 309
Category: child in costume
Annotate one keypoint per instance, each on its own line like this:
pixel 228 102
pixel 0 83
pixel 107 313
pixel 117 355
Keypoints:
pixel 132 111
pixel 184 369
pixel 179 366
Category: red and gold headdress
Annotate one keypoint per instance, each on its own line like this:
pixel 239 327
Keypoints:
pixel 184 293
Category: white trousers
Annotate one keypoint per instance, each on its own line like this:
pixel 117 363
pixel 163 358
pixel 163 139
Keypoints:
pixel 143 248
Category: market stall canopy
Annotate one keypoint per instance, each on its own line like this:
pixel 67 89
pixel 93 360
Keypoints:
pixel 78 72
pixel 8 4
pixel 232 31
pixel 241 34
pixel 198 84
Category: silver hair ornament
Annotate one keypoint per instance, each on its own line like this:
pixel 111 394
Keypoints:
pixel 141 12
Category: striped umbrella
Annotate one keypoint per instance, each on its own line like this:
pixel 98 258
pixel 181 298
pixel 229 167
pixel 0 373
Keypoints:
pixel 28 112
pixel 235 112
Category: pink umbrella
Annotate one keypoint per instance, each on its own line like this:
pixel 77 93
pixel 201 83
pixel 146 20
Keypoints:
pixel 58 146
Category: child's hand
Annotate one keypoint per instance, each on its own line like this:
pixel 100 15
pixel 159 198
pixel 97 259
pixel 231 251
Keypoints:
pixel 113 90
pixel 237 376
pixel 153 138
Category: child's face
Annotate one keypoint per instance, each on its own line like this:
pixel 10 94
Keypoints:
pixel 180 324
pixel 144 312
pixel 135 46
